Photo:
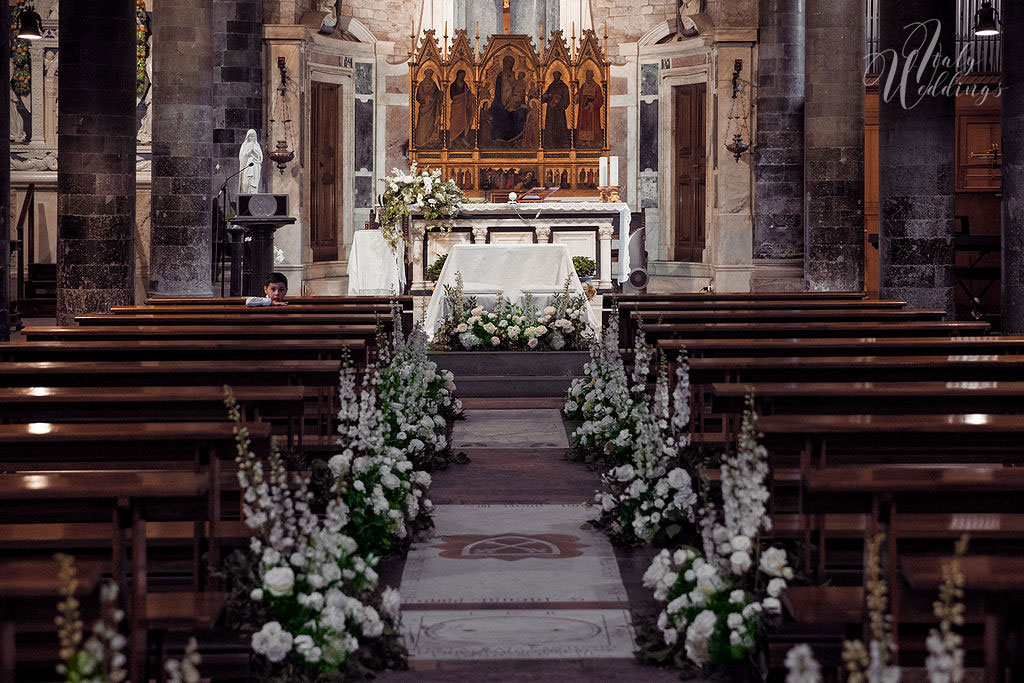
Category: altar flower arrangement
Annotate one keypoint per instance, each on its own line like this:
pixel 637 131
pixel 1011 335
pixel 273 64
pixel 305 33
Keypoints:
pixel 561 325
pixel 313 592
pixel 99 657
pixel 418 191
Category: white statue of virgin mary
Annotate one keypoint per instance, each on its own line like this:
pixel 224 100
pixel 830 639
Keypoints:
pixel 250 163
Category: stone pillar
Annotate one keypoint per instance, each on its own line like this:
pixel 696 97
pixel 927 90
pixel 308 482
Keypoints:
pixel 779 148
pixel 5 183
pixel 237 91
pixel 834 146
pixel 479 235
pixel 180 259
pixel 1013 168
pixel 916 151
pixel 543 233
pixel 96 157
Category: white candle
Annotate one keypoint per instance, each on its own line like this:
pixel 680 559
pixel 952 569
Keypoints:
pixel 602 172
pixel 613 171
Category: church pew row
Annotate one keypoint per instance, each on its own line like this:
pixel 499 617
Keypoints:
pixel 184 349
pixel 283 407
pixel 405 301
pixel 655 332
pixel 664 319
pixel 125 500
pixel 625 299
pixel 923 510
pixel 839 346
pixel 218 332
pixel 261 318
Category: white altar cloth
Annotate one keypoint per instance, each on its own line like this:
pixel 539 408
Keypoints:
pixel 373 267
pixel 514 269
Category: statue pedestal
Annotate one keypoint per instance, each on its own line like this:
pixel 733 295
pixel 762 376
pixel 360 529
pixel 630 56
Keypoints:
pixel 261 250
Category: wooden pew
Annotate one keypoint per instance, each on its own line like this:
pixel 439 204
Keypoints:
pixel 810 398
pixel 185 349
pixel 850 346
pixel 279 405
pixel 127 499
pixel 832 440
pixel 263 319
pixel 367 333
pixel 737 296
pixel 406 301
pixel 666 317
pixel 228 309
pixel 795 330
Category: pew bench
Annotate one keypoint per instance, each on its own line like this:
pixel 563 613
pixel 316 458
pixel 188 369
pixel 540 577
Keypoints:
pixel 852 346
pixel 183 349
pixel 404 300
pixel 794 330
pixel 224 331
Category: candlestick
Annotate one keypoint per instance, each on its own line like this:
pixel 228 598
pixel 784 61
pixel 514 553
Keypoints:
pixel 602 171
pixel 613 171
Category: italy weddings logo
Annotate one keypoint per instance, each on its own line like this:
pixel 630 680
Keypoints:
pixel 920 69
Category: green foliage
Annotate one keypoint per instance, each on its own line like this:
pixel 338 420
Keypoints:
pixel 21 62
pixel 585 267
pixel 434 270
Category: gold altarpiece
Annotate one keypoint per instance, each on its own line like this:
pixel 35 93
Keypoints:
pixel 508 118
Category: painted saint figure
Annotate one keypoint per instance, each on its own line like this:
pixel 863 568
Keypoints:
pixel 428 99
pixel 588 120
pixel 507 116
pixel 556 132
pixel 250 153
pixel 462 104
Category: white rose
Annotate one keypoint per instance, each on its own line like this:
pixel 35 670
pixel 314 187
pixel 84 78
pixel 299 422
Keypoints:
pixel 549 310
pixel 279 581
pixel 272 641
pixel 541 330
pixel 734 620
pixel 775 587
pixel 740 543
pixel 772 605
pixel 461 328
pixel 338 464
pixel 737 596
pixel 740 562
pixel 532 342
pixel 495 341
pixel 256 594
pixel 773 561
pixel 678 478
pixel 489 328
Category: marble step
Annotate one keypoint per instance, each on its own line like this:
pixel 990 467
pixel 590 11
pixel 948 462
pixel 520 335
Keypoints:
pixel 506 386
pixel 512 363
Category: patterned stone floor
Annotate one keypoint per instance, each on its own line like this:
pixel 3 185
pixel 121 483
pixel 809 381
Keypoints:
pixel 511 587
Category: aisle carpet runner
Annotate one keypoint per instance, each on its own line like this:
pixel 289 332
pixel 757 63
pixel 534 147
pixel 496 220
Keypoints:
pixel 514 581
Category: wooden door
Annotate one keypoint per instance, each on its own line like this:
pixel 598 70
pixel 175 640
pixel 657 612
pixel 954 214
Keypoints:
pixel 691 171
pixel 324 181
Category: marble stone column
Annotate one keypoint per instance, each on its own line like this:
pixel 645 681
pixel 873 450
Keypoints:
pixel 96 157
pixel 834 146
pixel 779 148
pixel 916 152
pixel 182 149
pixel 1013 168
pixel 5 182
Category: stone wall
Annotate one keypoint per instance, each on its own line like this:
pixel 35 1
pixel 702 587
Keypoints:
pixel 628 20
pixel 388 20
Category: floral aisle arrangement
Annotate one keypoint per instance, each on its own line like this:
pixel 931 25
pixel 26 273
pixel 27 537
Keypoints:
pixel 99 657
pixel 312 592
pixel 717 601
pixel 392 431
pixel 439 200
pixel 508 326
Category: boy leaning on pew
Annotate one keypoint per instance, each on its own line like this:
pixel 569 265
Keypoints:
pixel 275 289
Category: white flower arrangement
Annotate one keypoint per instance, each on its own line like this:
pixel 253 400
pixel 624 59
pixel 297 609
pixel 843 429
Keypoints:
pixel 508 326
pixel 388 434
pixel 801 666
pixel 648 489
pixel 439 200
pixel 310 574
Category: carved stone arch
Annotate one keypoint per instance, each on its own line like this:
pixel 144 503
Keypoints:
pixel 658 33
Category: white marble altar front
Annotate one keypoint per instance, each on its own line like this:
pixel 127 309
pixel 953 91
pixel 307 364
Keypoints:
pixel 585 228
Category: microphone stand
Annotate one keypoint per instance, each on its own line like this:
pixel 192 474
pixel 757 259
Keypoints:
pixel 223 196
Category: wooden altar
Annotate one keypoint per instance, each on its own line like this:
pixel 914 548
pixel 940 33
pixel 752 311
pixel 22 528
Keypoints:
pixel 586 228
pixel 510 118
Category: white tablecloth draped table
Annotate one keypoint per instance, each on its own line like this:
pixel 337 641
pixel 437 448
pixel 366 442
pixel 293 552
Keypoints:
pixel 513 269
pixel 373 266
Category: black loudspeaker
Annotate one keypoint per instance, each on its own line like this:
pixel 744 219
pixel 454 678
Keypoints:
pixel 638 278
pixel 262 205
